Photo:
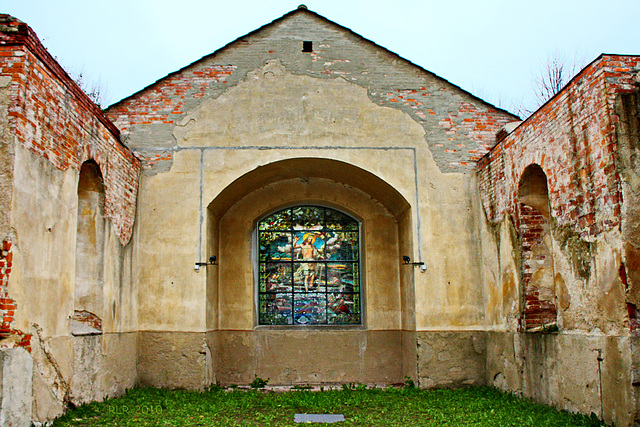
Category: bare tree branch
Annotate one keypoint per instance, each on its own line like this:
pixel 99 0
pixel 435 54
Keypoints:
pixel 554 74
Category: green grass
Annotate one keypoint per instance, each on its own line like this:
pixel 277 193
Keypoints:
pixel 361 407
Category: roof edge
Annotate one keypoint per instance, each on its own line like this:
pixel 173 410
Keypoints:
pixel 303 9
pixel 572 80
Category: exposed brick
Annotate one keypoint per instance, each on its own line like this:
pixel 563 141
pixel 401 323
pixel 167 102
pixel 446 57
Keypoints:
pixel 572 137
pixel 51 116
pixel 537 312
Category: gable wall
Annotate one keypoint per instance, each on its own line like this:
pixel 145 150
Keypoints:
pixel 261 101
pixel 459 128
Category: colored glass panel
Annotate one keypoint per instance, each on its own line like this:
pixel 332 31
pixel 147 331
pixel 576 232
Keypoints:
pixel 308 276
pixel 338 221
pixel 342 246
pixel 307 218
pixel 275 246
pixel 308 260
pixel 278 221
pixel 275 309
pixel 343 309
pixel 310 309
pixel 275 277
pixel 343 277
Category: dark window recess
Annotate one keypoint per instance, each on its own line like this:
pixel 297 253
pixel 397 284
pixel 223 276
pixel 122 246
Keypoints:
pixel 307 46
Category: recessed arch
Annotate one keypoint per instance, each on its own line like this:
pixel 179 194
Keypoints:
pixel 533 189
pixel 538 285
pixel 245 347
pixel 311 167
pixel 88 293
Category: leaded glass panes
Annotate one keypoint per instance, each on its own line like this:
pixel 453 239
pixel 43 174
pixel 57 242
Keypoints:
pixel 275 246
pixel 309 271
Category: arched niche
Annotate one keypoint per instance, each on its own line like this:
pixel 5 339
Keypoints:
pixel 533 190
pixel 242 347
pixel 88 292
pixel 539 310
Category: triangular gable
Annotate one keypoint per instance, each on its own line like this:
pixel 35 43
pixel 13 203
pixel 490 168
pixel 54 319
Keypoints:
pixel 300 11
pixel 460 126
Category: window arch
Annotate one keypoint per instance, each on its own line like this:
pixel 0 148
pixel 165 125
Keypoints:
pixel 309 268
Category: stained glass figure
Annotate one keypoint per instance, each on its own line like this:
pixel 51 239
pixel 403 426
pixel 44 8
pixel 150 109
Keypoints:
pixel 309 271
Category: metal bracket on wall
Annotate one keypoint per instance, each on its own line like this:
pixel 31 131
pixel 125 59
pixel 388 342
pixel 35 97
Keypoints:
pixel 212 261
pixel 407 261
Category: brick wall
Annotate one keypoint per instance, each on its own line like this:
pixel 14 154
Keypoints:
pixel 461 123
pixel 7 305
pixel 50 116
pixel 165 102
pixel 538 311
pixel 459 128
pixel 572 137
pixel 53 118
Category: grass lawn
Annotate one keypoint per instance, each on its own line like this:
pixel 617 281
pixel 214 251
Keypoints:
pixel 361 407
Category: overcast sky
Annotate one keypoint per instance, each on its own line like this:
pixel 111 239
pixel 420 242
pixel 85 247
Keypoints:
pixel 492 48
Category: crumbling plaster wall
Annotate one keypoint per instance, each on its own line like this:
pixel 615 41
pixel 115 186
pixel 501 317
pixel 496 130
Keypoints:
pixel 458 127
pixel 627 108
pixel 261 100
pixel 573 139
pixel 49 127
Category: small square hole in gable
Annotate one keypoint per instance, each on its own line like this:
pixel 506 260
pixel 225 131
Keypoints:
pixel 307 46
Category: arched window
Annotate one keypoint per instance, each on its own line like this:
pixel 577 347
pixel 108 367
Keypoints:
pixel 309 268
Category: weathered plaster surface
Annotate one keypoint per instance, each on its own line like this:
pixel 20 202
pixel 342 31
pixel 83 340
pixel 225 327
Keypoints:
pixel 173 359
pixel 579 373
pixel 6 157
pixel 104 366
pixel 309 356
pixel 15 387
pixel 458 128
pixel 627 108
pixel 451 358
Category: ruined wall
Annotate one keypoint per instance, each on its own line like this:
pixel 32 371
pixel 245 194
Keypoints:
pixel 259 102
pixel 627 108
pixel 262 124
pixel 48 128
pixel 582 270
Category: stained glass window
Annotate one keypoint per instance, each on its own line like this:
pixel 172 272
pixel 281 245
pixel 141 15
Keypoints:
pixel 309 268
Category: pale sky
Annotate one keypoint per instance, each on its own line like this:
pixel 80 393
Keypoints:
pixel 491 48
